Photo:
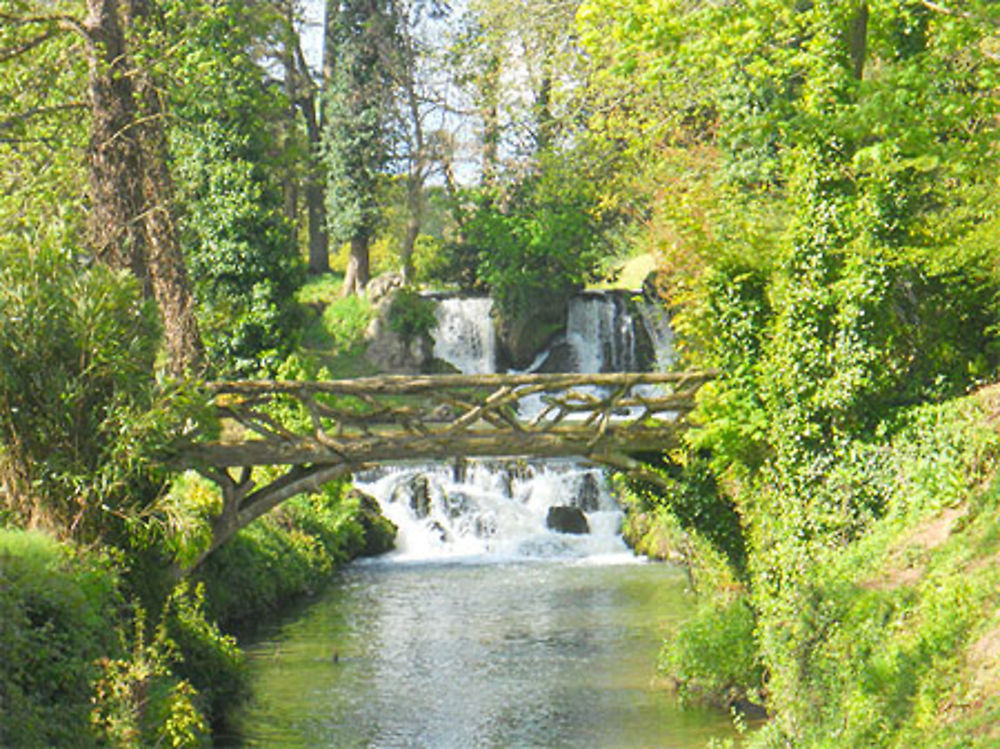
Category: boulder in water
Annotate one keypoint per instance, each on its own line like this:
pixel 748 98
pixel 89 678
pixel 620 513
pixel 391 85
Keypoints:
pixel 379 531
pixel 588 498
pixel 565 519
pixel 416 492
pixel 420 496
pixel 456 503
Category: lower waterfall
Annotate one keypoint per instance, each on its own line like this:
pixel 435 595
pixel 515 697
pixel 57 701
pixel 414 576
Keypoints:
pixel 498 509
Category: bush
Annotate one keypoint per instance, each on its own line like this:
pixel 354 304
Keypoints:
pixel 713 656
pixel 541 240
pixel 288 552
pixel 82 417
pixel 410 315
pixel 57 618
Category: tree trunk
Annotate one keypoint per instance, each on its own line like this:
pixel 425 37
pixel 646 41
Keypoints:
pixel 131 188
pixel 114 153
pixel 167 269
pixel 357 275
pixel 491 121
pixel 319 240
pixel 291 187
pixel 858 40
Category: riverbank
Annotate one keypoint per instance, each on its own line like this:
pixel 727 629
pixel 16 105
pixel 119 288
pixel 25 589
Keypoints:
pixel 85 664
pixel 888 637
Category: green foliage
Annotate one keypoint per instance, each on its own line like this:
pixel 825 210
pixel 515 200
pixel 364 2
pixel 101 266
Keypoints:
pixel 542 240
pixel 55 612
pixel 822 213
pixel 410 315
pixel 208 660
pixel 289 552
pixel 364 41
pixel 238 244
pixel 712 656
pixel 84 424
pixel 239 249
pixel 341 326
pixel 138 701
pixel 689 492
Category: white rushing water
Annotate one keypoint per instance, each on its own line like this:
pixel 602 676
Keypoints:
pixel 465 336
pixel 477 509
pixel 601 333
pixel 505 510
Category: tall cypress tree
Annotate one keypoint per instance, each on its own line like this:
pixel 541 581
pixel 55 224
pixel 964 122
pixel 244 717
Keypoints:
pixel 362 39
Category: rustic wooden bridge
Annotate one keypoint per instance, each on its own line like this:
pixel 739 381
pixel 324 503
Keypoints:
pixel 317 431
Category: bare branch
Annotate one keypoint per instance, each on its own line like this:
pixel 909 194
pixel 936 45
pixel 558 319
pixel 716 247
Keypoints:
pixel 10 122
pixel 27 46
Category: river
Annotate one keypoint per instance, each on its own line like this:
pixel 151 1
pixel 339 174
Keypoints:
pixel 542 654
pixel 487 627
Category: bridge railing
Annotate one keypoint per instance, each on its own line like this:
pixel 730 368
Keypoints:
pixel 403 417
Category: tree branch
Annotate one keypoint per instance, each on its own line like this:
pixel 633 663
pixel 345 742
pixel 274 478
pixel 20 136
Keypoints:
pixel 67 23
pixel 8 123
pixel 27 46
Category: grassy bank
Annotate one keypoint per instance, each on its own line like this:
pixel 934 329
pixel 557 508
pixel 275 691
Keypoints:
pixel 888 637
pixel 85 665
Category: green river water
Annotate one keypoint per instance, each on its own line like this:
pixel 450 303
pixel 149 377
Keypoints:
pixel 543 654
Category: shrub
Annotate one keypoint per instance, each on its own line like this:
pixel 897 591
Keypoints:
pixel 713 656
pixel 410 315
pixel 81 415
pixel 56 619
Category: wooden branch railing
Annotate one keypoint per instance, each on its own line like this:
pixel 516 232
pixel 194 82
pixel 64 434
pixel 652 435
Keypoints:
pixel 393 418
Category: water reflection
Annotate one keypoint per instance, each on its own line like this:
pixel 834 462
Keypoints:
pixel 545 655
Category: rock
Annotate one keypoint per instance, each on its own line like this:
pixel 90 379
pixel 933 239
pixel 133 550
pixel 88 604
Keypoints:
pixel 456 504
pixel 739 702
pixel 382 286
pixel 439 530
pixel 588 498
pixel 565 519
pixel 420 496
pixel 416 492
pixel 561 358
pixel 522 338
pixel 389 351
pixel 486 526
pixel 379 531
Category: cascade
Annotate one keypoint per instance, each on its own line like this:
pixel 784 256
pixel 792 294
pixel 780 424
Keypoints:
pixel 465 336
pixel 601 333
pixel 503 509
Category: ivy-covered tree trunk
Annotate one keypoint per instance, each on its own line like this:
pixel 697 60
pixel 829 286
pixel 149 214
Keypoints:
pixel 363 37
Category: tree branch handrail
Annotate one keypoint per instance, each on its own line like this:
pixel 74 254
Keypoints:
pixel 413 384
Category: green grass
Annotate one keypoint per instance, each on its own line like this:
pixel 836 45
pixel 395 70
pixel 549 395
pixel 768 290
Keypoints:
pixel 631 273
pixel 334 336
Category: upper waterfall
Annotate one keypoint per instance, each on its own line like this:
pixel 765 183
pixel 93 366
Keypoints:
pixel 465 336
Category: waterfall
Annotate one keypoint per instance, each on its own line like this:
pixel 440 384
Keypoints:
pixel 601 333
pixel 656 322
pixel 465 336
pixel 494 508
pixel 510 509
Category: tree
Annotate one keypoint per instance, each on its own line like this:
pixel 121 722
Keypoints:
pixel 363 44
pixel 131 192
pixel 229 158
